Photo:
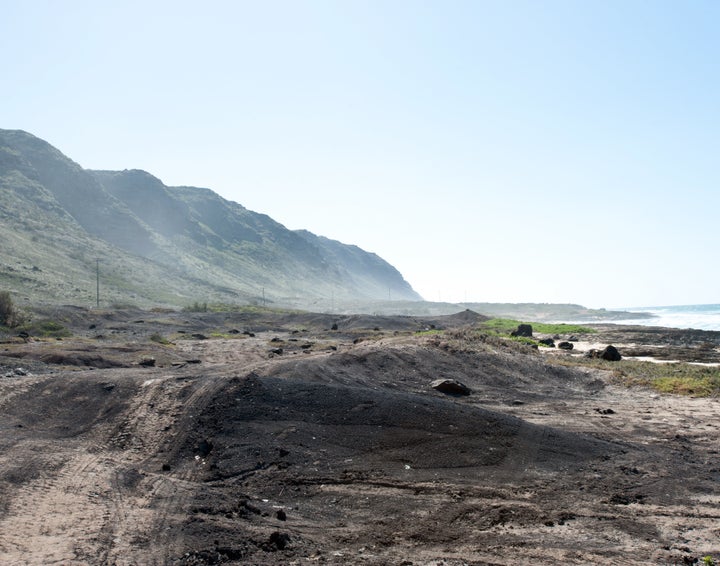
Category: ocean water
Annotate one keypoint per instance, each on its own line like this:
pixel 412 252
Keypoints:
pixel 700 317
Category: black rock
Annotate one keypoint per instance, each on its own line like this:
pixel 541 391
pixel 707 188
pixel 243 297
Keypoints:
pixel 611 354
pixel 605 411
pixel 204 447
pixel 279 540
pixel 523 330
pixel 565 345
pixel 450 386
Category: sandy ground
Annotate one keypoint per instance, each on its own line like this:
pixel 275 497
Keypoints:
pixel 285 441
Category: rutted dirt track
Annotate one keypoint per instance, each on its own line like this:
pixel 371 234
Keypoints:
pixel 334 449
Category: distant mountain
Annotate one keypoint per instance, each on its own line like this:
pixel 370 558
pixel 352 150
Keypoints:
pixel 156 245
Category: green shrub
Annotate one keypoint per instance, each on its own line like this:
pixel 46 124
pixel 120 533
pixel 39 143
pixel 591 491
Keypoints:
pixel 159 338
pixel 9 315
pixel 197 307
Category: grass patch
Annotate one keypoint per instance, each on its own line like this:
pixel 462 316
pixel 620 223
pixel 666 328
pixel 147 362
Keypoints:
pixel 44 329
pixel 227 335
pixel 703 386
pixel 526 340
pixel 676 378
pixel 507 325
pixel 159 339
pixel 429 332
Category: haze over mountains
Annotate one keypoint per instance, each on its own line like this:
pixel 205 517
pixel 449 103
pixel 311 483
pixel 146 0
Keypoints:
pixel 160 245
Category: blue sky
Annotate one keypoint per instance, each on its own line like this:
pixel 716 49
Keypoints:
pixel 557 151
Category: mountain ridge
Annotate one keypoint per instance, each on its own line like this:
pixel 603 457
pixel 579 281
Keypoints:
pixel 159 244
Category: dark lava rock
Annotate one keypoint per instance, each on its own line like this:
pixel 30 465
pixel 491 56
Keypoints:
pixel 565 345
pixel 548 342
pixel 281 515
pixel 605 411
pixel 277 351
pixel 278 540
pixel 523 330
pixel 199 336
pixel 147 362
pixel 450 386
pixel 204 447
pixel 611 354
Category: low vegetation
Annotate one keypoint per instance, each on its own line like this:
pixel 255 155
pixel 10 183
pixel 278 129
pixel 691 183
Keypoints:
pixel 159 339
pixel 44 329
pixel 9 315
pixel 507 325
pixel 236 308
pixel 197 307
pixel 677 378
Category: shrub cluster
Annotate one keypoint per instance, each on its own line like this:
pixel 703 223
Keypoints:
pixel 9 315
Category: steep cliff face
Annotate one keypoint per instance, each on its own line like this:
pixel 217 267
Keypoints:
pixel 172 244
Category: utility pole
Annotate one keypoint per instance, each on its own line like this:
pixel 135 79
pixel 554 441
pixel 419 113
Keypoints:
pixel 97 281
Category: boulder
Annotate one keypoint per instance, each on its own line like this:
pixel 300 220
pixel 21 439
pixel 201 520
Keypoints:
pixel 450 386
pixel 549 342
pixel 523 330
pixel 565 345
pixel 147 361
pixel 611 354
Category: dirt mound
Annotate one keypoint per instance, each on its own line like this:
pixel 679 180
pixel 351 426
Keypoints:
pixel 356 427
pixel 494 376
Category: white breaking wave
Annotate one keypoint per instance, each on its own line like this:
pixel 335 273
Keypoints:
pixel 699 317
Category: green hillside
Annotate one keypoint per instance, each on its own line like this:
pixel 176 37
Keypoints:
pixel 160 245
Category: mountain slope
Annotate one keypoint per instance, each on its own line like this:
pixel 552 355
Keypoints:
pixel 159 244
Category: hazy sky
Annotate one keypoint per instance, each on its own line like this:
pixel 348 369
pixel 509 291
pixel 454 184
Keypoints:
pixel 544 151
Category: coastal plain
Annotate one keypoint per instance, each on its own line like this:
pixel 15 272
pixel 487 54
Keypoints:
pixel 166 437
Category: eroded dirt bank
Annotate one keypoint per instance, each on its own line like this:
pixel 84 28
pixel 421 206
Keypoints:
pixel 286 441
